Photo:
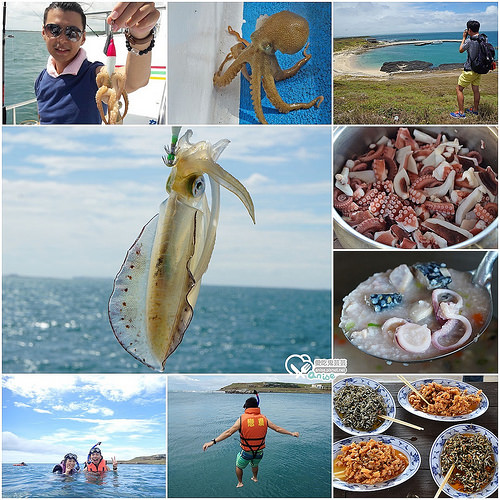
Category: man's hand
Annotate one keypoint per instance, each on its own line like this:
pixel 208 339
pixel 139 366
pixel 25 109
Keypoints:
pixel 115 463
pixel 138 17
pixel 207 445
pixel 295 434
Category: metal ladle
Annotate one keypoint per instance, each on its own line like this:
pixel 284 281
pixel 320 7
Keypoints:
pixel 481 276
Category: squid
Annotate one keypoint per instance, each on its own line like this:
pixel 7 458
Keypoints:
pixel 156 289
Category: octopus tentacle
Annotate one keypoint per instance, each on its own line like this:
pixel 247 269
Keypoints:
pixel 255 93
pixel 221 80
pixel 279 103
pixel 340 199
pixel 371 225
pixel 483 214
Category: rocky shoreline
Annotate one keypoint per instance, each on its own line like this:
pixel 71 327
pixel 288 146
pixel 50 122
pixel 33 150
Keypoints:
pixel 398 66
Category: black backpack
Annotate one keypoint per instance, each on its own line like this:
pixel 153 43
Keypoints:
pixel 485 57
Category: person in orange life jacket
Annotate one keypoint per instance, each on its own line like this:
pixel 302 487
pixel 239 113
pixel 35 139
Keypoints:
pixel 66 89
pixel 252 426
pixel 98 463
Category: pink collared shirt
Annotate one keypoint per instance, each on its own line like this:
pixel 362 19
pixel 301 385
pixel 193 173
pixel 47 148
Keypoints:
pixel 71 69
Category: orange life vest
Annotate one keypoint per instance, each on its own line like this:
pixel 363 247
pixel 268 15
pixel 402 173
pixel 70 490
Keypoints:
pixel 253 430
pixel 101 466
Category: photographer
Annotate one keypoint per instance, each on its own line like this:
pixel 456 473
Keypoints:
pixel 468 77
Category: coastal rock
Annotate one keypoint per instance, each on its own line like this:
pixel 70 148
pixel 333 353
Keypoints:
pixel 449 66
pixel 394 66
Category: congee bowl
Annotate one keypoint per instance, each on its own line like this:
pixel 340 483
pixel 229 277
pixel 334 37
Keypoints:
pixel 349 141
pixel 352 268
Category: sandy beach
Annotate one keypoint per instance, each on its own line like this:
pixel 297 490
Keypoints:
pixel 347 63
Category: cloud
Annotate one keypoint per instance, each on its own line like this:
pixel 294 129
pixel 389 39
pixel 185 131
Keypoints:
pixel 11 441
pixel 109 427
pixel 39 410
pixel 385 18
pixel 21 405
pixel 48 388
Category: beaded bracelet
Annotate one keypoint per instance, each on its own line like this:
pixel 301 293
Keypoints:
pixel 129 38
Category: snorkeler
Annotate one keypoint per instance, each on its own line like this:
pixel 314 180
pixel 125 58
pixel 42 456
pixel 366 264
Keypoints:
pixel 252 426
pixel 96 462
pixel 69 465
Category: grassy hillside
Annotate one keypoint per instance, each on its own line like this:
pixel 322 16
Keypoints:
pixel 415 98
pixel 248 388
pixel 151 459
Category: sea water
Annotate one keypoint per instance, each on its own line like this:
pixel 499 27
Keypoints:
pixel 25 57
pixel 61 325
pixel 442 53
pixel 37 481
pixel 291 467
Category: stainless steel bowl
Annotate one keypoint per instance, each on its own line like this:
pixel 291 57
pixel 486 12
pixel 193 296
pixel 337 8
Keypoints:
pixel 354 140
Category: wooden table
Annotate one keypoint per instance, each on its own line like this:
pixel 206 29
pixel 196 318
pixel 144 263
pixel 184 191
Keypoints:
pixel 422 484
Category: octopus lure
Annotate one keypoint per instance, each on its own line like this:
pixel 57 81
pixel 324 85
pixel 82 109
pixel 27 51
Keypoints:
pixel 155 291
pixel 111 87
pixel 283 31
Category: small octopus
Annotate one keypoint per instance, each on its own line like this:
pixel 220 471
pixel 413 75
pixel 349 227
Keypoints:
pixel 283 31
pixel 111 88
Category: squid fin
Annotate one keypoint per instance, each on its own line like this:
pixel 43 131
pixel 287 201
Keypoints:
pixel 126 309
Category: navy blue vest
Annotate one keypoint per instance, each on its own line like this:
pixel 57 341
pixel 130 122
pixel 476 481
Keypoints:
pixel 68 98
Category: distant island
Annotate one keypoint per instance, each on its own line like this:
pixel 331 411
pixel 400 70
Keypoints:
pixel 248 388
pixel 149 460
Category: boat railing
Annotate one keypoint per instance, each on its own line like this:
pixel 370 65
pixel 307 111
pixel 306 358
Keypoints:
pixel 13 107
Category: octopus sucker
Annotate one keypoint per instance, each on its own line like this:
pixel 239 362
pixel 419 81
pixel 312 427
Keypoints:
pixel 156 289
pixel 284 31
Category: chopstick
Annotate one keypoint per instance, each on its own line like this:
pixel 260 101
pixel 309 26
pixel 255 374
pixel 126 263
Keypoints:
pixel 445 480
pixel 402 422
pixel 412 388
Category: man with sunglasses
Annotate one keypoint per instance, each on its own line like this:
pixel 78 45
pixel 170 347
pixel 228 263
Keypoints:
pixel 66 89
pixel 252 426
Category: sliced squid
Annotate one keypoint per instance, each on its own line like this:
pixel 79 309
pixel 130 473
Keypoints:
pixel 413 337
pixel 155 291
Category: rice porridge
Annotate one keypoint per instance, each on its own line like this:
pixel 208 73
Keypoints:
pixel 414 313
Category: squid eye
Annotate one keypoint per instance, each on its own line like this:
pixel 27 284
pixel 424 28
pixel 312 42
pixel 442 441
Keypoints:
pixel 198 186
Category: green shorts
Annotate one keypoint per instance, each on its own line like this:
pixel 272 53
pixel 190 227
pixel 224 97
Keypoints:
pixel 243 458
pixel 469 78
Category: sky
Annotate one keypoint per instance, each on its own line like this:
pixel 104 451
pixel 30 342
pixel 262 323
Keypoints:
pixel 46 416
pixel 383 18
pixel 209 383
pixel 76 198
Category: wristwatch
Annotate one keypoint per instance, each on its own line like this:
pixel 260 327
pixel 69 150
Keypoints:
pixel 214 441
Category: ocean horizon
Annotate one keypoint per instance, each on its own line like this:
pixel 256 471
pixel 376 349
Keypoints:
pixel 436 54
pixel 56 325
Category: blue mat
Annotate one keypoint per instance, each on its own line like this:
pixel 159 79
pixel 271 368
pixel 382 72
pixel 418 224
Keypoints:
pixel 312 80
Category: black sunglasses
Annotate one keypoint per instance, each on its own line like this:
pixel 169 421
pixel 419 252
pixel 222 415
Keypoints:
pixel 73 34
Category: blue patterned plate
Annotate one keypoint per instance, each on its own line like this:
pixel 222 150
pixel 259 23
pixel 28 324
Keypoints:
pixel 408 449
pixel 435 460
pixel 405 391
pixel 386 395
